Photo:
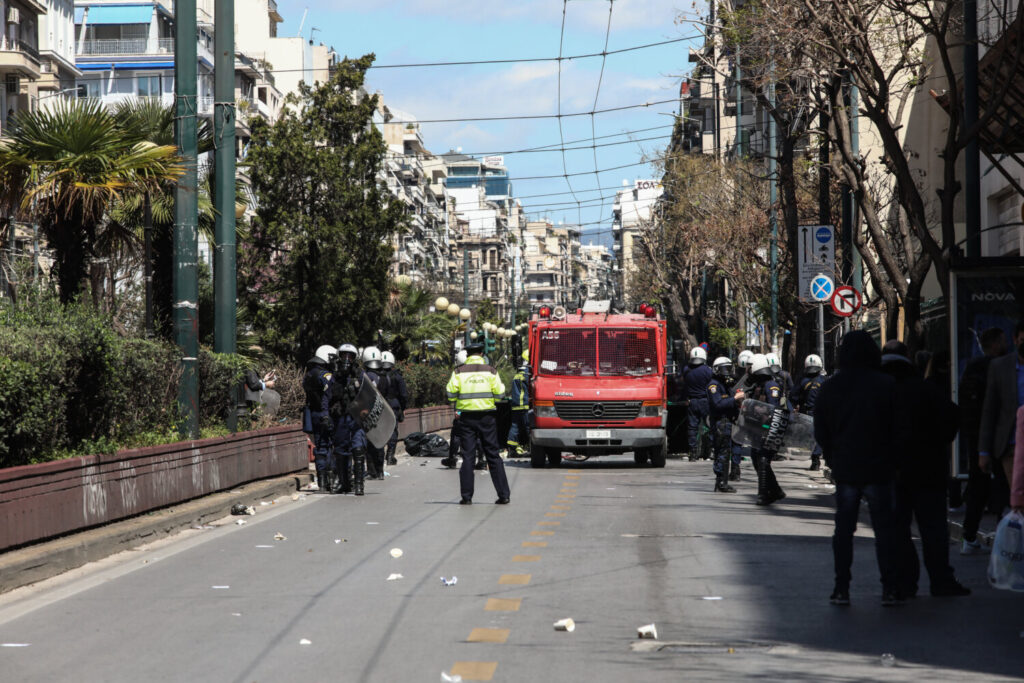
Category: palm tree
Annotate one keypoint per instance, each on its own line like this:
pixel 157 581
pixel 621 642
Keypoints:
pixel 75 161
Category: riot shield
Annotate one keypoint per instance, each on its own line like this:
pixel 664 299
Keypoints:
pixel 764 426
pixel 373 413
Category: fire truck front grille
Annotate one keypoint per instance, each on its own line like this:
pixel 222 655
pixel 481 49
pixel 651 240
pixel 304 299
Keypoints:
pixel 597 411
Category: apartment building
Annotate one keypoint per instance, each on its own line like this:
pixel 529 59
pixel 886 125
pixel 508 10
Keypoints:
pixel 21 64
pixel 632 211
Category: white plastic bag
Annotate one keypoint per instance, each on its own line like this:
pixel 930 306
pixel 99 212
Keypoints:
pixel 1006 566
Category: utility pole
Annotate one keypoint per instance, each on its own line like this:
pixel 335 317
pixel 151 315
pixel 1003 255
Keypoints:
pixel 186 217
pixel 465 279
pixel 147 265
pixel 740 147
pixel 972 163
pixel 849 206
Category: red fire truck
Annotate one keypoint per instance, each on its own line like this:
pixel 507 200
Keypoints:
pixel 598 384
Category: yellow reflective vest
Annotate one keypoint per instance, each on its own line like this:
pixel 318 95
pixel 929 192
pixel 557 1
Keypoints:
pixel 475 386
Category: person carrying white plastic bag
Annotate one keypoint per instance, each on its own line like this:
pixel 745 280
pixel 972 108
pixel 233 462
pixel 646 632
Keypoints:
pixel 1006 566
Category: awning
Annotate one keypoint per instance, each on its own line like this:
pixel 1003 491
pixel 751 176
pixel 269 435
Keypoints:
pixel 115 14
pixel 94 66
pixel 144 65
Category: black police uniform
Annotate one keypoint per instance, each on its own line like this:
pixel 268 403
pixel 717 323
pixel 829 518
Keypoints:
pixel 695 387
pixel 396 393
pixel 374 455
pixel 318 384
pixel 803 397
pixel 766 390
pixel 723 411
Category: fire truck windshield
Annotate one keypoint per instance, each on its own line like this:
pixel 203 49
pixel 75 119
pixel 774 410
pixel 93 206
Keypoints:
pixel 589 352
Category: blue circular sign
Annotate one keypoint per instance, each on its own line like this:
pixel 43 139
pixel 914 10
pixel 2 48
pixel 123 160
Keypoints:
pixel 821 288
pixel 823 234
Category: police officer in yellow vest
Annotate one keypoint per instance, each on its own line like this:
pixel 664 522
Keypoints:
pixel 519 397
pixel 473 388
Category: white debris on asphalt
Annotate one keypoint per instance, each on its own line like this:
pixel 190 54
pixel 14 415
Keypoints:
pixel 264 546
pixel 454 678
pixel 240 522
pixel 15 644
pixel 372 523
pixel 396 553
pixel 712 597
pixel 395 577
pixel 220 588
pixel 649 631
pixel 263 502
pixel 449 582
pixel 565 625
pixel 280 537
pixel 295 496
pixel 304 641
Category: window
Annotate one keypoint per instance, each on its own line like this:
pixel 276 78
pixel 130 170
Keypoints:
pixel 92 88
pixel 149 85
pixel 568 351
pixel 627 351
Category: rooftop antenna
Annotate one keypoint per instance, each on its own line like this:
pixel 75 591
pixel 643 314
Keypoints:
pixel 302 23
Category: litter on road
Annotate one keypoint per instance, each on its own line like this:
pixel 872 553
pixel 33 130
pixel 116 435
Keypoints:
pixel 396 553
pixel 372 523
pixel 449 582
pixel 565 625
pixel 395 577
pixel 220 588
pixel 712 597
pixel 304 641
pixel 280 537
pixel 15 644
pixel 454 678
pixel 264 546
pixel 240 522
pixel 341 540
pixel 242 509
pixel 649 631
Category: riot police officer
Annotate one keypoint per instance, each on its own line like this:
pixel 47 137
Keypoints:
pixel 696 377
pixel 782 377
pixel 474 388
pixel 349 437
pixel 805 393
pixel 519 432
pixel 372 360
pixel 396 393
pixel 766 389
pixel 317 384
pixel 723 410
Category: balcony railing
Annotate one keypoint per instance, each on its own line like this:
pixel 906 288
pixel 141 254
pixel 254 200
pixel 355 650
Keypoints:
pixel 18 45
pixel 131 46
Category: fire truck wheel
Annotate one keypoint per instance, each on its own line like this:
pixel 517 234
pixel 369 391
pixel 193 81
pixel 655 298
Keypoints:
pixel 554 457
pixel 640 457
pixel 659 454
pixel 538 458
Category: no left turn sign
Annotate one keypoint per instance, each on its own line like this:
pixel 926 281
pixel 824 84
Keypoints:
pixel 845 301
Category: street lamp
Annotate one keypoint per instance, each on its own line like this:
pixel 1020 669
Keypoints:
pixel 464 314
pixel 441 304
pixel 453 310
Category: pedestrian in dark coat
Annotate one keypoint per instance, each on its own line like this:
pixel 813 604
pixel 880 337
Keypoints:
pixel 857 425
pixel 921 488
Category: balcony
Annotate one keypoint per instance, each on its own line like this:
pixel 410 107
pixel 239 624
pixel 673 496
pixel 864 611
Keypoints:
pixel 20 56
pixel 132 46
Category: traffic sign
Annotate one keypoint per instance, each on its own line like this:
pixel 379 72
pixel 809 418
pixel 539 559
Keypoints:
pixel 822 288
pixel 816 253
pixel 845 301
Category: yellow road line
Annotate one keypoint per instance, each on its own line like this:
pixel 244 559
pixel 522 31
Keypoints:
pixel 554 514
pixel 561 507
pixel 574 471
pixel 572 491
pixel 488 635
pixel 572 476
pixel 548 523
pixel 475 671
pixel 502 604
pixel 526 558
pixel 570 483
pixel 514 579
pixel 542 533
pixel 535 544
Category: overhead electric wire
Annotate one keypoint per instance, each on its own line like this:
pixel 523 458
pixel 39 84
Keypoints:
pixel 597 94
pixel 561 134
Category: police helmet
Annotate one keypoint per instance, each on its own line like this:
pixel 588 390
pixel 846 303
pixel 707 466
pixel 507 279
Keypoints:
pixel 475 347
pixel 773 358
pixel 387 360
pixel 759 366
pixel 347 354
pixel 460 357
pixel 371 358
pixel 744 358
pixel 722 367
pixel 698 356
pixel 325 354
pixel 813 364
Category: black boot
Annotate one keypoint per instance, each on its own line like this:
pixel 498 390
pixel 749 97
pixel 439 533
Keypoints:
pixel 358 471
pixel 734 472
pixel 333 482
pixel 815 463
pixel 760 465
pixel 321 480
pixel 391 459
pixel 722 484
pixel 346 475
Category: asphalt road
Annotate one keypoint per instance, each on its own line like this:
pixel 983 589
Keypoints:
pixel 735 591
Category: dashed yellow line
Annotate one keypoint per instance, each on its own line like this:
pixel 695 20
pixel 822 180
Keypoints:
pixel 526 558
pixel 570 483
pixel 548 523
pixel 535 544
pixel 561 507
pixel 572 476
pixel 542 533
pixel 554 514
pixel 574 471
pixel 514 579
pixel 475 671
pixel 502 604
pixel 488 635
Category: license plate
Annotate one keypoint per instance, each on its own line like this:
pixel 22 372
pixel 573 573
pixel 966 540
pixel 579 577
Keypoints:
pixel 599 434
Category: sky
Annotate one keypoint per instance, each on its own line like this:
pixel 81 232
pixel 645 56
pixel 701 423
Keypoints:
pixel 404 32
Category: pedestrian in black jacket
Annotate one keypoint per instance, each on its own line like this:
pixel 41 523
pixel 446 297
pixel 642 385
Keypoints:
pixel 921 488
pixel 856 423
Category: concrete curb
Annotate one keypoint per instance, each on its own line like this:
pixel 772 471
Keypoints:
pixel 35 563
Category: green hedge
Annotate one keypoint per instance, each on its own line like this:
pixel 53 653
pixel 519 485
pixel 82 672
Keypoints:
pixel 69 384
pixel 426 383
